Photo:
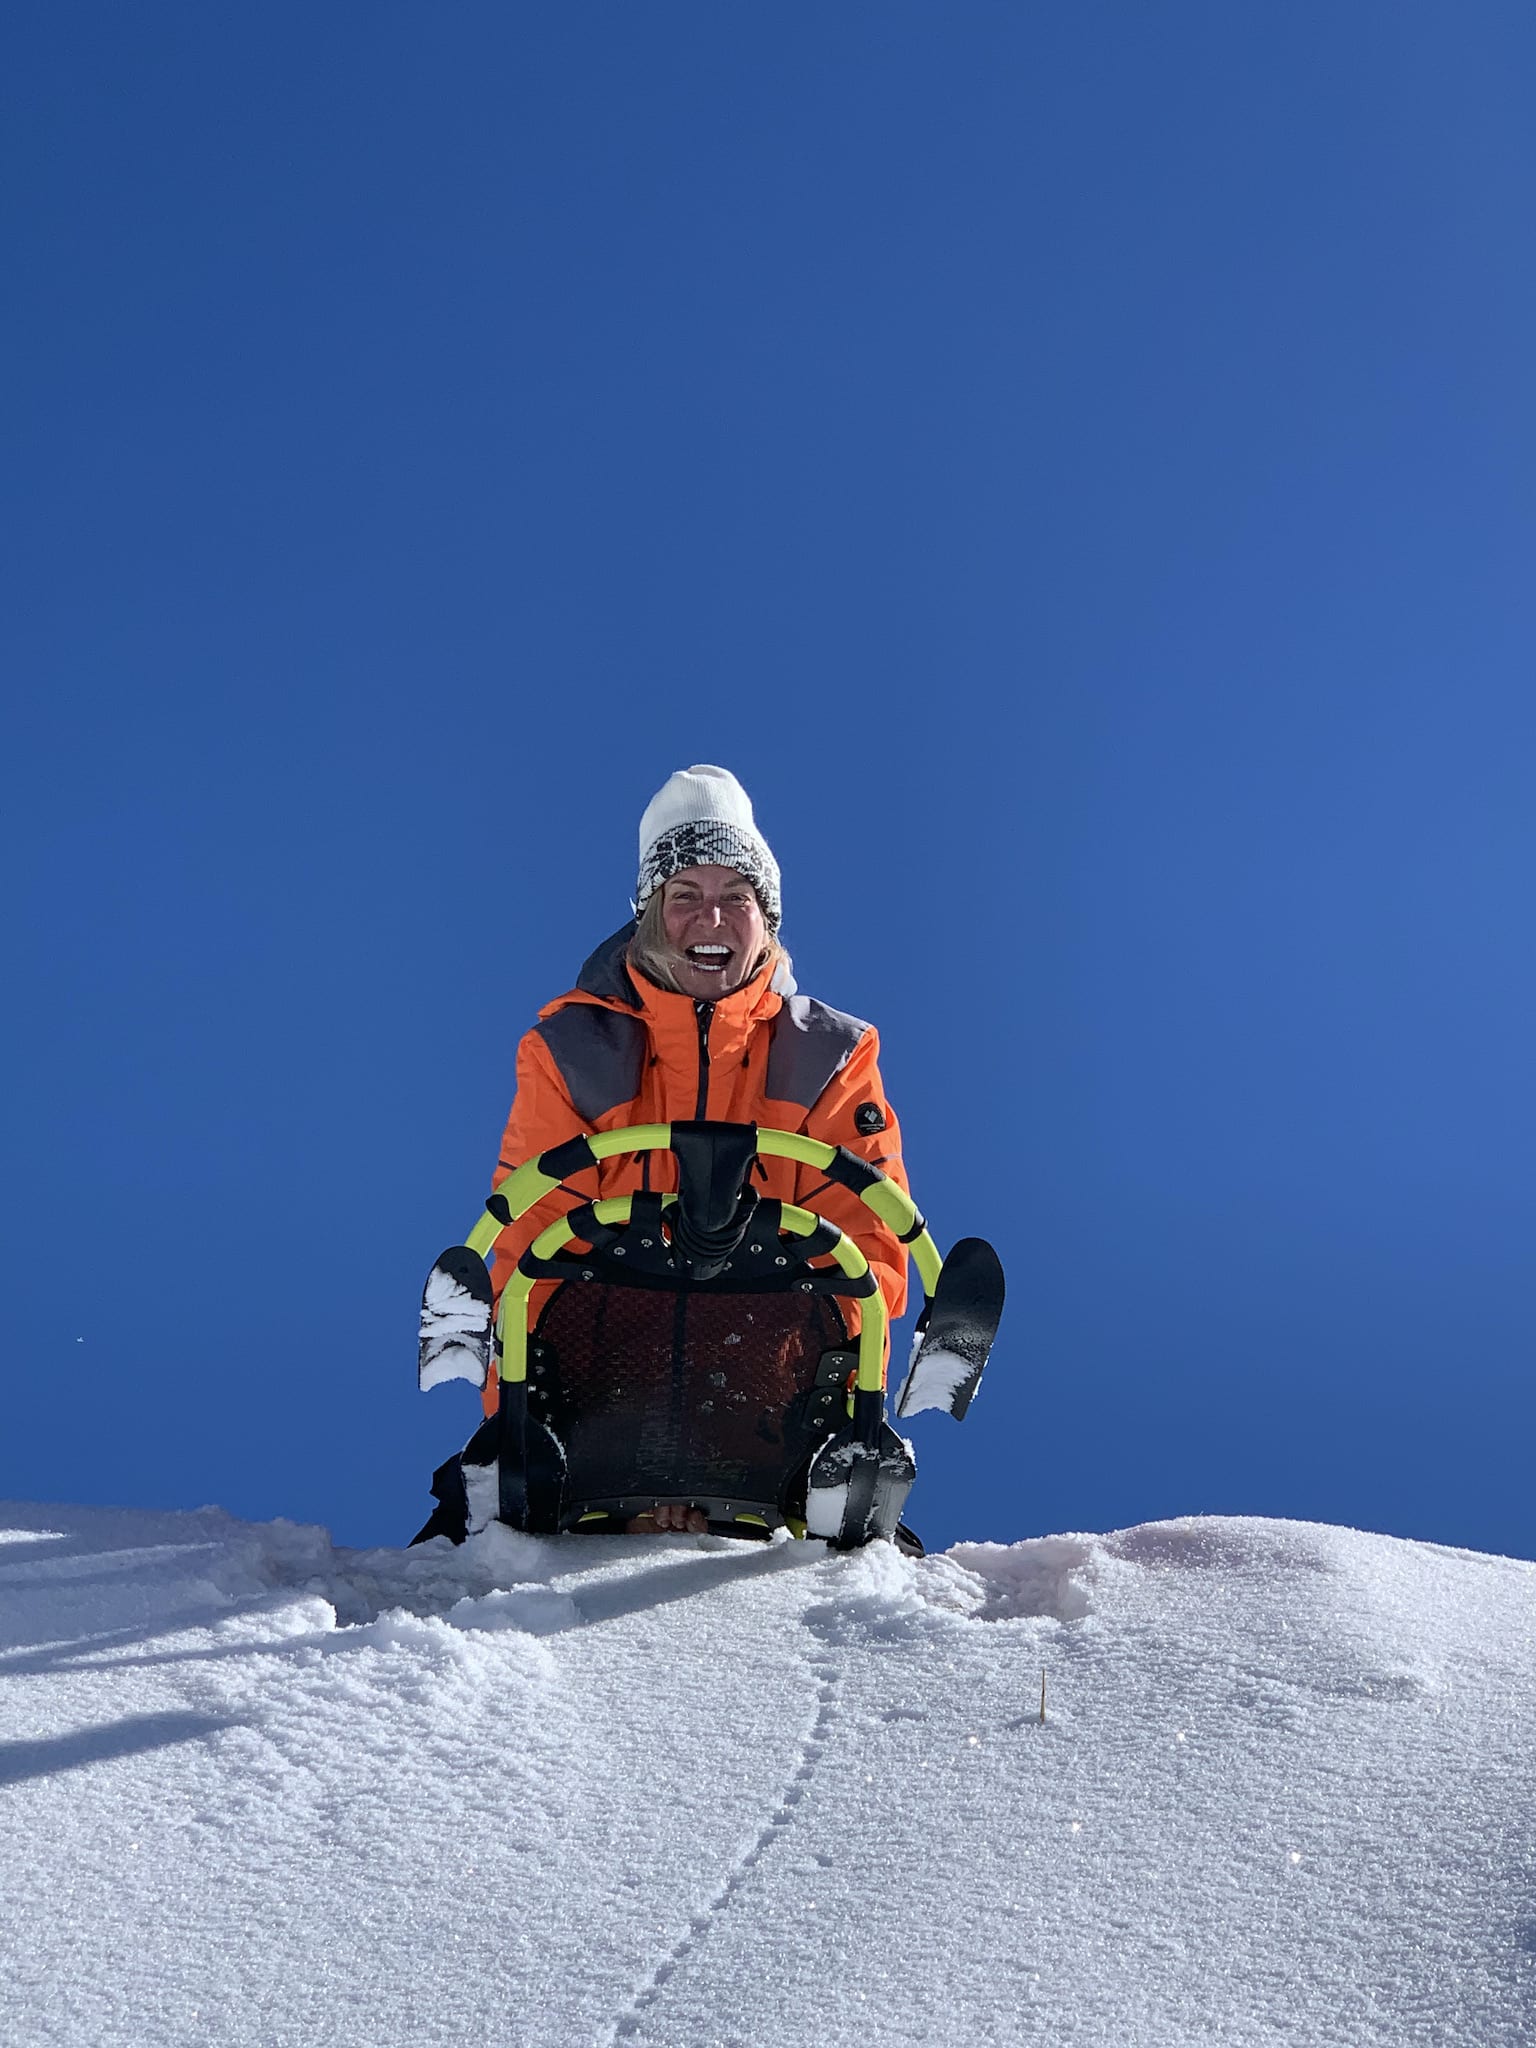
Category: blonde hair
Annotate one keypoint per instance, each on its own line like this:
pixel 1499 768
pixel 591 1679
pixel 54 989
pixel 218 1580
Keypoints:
pixel 653 954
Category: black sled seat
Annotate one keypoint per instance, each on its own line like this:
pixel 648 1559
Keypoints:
pixel 694 1351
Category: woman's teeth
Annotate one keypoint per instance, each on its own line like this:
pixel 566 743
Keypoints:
pixel 711 958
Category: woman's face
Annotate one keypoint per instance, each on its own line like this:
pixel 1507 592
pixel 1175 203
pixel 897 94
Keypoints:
pixel 714 924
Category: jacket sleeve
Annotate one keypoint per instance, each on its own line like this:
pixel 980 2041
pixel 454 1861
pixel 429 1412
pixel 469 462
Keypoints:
pixel 834 1119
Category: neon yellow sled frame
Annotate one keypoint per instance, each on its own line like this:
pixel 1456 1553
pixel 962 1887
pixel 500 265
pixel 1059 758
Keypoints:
pixel 529 1183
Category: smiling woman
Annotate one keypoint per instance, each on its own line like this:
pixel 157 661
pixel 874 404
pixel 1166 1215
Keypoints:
pixel 702 934
pixel 690 1014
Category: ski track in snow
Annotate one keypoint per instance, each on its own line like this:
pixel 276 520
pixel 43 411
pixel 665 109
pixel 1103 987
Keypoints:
pixel 632 2022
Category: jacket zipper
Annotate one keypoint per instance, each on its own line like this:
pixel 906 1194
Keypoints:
pixel 705 1014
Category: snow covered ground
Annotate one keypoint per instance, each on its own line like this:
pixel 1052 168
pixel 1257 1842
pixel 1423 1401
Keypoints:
pixel 682 1793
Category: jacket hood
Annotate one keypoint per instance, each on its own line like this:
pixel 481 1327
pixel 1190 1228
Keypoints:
pixel 606 978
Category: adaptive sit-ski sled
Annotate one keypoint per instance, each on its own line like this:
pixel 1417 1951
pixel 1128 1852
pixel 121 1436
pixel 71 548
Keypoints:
pixel 696 1353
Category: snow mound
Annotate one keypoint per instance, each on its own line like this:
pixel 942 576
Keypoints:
pixel 702 1794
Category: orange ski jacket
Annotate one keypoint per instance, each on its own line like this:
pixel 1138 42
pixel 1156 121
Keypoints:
pixel 618 1050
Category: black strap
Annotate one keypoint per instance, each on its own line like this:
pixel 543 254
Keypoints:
pixel 714 1204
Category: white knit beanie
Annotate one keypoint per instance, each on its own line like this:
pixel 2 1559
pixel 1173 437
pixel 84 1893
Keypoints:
pixel 702 817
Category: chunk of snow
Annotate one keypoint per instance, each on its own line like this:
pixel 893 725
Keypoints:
pixel 455 1333
pixel 934 1379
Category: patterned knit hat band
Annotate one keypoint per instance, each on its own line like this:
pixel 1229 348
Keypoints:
pixel 713 843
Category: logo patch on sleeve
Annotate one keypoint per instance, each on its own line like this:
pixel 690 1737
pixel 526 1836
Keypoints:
pixel 868 1118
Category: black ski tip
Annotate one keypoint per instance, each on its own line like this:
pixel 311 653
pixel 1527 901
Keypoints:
pixel 974 1268
pixel 961 1325
pixel 466 1268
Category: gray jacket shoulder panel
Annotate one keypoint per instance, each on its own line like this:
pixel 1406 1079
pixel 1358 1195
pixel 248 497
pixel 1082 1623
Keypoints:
pixel 600 1054
pixel 811 1042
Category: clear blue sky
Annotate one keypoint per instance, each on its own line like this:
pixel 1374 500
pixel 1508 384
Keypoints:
pixel 1075 464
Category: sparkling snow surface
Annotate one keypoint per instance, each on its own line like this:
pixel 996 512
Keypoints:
pixel 695 1794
